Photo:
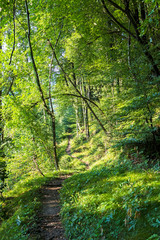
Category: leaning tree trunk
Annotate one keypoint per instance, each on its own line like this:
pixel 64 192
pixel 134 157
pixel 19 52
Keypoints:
pixel 85 114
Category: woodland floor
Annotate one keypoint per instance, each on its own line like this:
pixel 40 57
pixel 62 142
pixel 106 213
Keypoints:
pixel 68 151
pixel 50 226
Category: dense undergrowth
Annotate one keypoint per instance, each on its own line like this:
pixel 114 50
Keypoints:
pixel 112 203
pixel 115 199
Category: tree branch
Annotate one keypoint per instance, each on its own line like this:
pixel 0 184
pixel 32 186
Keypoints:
pixel 77 90
pixel 69 94
pixel 58 36
pixel 74 95
pixel 116 6
pixel 14 42
pixel 14 31
pixel 10 88
pixel 50 75
pixel 33 61
pixel 115 20
pixel 140 40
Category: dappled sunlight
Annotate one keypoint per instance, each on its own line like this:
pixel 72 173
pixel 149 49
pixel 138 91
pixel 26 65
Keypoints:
pixel 80 97
pixel 129 199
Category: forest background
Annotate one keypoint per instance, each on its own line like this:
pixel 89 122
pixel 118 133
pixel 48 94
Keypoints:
pixel 83 76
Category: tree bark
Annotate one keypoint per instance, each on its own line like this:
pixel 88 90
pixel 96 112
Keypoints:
pixel 50 112
pixel 54 142
pixel 1 118
pixel 85 114
pixel 52 115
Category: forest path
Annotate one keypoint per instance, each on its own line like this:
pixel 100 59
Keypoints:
pixel 68 151
pixel 50 226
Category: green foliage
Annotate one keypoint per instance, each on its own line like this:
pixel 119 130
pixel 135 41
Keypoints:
pixel 18 226
pixel 110 202
pixel 97 58
pixel 154 237
pixel 103 71
pixel 20 208
pixel 67 162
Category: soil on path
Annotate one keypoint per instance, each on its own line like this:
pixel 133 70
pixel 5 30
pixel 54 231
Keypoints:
pixel 49 223
pixel 50 226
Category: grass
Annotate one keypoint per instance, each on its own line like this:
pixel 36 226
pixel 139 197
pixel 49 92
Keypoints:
pixel 112 202
pixel 20 207
pixel 19 210
pixel 18 213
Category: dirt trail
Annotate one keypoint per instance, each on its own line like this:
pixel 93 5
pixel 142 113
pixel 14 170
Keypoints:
pixel 50 227
pixel 49 224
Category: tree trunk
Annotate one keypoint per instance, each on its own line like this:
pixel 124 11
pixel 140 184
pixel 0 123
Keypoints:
pixel 78 127
pixel 86 123
pixel 54 142
pixel 77 90
pixel 85 114
pixel 1 118
pixel 49 112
